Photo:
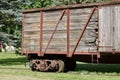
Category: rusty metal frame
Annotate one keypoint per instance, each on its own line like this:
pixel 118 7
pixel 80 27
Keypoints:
pixel 41 32
pixel 68 31
pixel 76 53
pixel 82 32
pixel 85 5
pixel 64 53
pixel 61 16
pixel 23 16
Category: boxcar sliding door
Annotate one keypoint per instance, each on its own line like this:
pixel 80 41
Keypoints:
pixel 109 28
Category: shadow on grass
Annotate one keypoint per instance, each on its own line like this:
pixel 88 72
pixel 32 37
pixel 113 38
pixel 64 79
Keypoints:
pixel 12 61
pixel 103 68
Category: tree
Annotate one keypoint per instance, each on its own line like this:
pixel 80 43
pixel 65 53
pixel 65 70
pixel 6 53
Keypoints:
pixel 10 23
pixel 67 2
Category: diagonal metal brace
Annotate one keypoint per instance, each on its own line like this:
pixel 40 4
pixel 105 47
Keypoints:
pixel 55 29
pixel 82 32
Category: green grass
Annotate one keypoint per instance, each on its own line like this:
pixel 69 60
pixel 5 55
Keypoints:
pixel 12 60
pixel 84 71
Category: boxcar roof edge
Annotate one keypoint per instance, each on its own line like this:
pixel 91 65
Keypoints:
pixel 85 5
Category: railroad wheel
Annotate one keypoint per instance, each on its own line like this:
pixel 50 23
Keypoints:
pixel 60 66
pixel 32 66
pixel 70 64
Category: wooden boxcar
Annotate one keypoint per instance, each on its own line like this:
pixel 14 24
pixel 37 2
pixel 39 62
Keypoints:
pixel 53 39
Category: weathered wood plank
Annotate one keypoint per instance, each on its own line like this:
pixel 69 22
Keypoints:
pixel 31 25
pixel 32 20
pixel 30 15
pixel 106 23
pixel 59 41
pixel 117 28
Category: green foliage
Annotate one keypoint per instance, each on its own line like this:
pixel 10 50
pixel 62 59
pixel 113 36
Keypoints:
pixel 36 4
pixel 67 2
pixel 10 23
pixel 28 4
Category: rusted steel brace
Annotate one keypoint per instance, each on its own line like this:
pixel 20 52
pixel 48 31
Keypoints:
pixel 41 33
pixel 82 32
pixel 68 32
pixel 55 30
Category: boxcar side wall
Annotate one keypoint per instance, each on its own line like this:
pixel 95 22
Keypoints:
pixel 58 43
pixel 57 31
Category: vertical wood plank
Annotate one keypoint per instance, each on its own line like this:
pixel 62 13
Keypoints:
pixel 117 28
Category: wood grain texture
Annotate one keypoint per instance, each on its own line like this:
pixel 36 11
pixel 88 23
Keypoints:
pixel 78 17
pixel 109 22
pixel 117 28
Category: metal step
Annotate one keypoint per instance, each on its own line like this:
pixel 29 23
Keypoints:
pixel 94 58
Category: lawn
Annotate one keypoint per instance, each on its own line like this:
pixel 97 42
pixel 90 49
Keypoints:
pixel 84 71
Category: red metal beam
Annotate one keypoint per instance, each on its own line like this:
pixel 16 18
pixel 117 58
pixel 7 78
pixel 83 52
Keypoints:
pixel 85 5
pixel 68 31
pixel 61 16
pixel 76 53
pixel 23 16
pixel 41 33
pixel 82 32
